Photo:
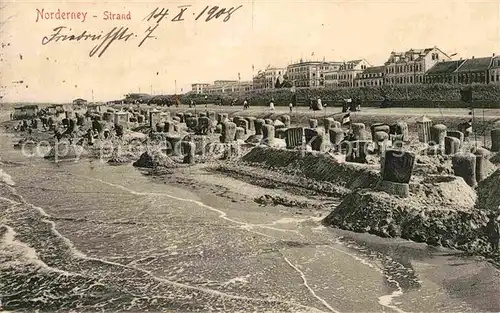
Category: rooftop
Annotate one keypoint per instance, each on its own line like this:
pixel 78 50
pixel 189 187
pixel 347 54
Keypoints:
pixel 374 70
pixel 311 63
pixel 404 55
pixel 26 107
pixel 475 65
pixel 496 61
pixel 445 67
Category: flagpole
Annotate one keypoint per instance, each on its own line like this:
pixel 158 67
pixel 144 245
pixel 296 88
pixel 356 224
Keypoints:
pixel 474 123
pixel 484 130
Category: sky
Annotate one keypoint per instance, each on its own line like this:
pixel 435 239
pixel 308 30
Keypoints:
pixel 259 33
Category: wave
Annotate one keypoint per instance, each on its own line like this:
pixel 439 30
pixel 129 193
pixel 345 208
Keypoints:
pixel 40 269
pixel 21 252
pixel 6 178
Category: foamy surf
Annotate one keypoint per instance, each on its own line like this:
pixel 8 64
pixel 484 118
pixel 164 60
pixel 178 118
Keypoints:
pixel 22 253
pixel 6 178
pixel 385 300
pixel 22 258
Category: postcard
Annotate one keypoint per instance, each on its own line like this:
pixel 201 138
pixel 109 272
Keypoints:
pixel 250 156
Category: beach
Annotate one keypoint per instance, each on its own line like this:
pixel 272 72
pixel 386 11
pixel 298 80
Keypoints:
pixel 87 236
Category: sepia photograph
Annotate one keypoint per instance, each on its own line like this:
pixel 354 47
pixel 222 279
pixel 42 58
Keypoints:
pixel 250 156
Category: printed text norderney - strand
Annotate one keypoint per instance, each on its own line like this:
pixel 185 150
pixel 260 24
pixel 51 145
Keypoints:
pixel 122 33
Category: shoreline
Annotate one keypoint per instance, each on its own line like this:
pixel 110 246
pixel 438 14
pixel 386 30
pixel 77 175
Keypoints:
pixel 248 172
pixel 226 197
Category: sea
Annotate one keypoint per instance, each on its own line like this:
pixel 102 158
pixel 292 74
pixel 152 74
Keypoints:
pixel 88 237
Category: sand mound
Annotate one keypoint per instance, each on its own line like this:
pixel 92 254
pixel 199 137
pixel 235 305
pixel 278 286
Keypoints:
pixel 495 158
pixel 254 139
pixel 383 215
pixel 25 142
pixel 117 159
pixel 488 193
pixel 447 191
pixel 428 164
pixel 154 159
pixel 321 167
pixel 65 151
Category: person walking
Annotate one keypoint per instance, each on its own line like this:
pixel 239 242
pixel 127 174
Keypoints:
pixel 271 104
pixel 245 104
pixel 320 105
pixel 290 106
pixel 493 231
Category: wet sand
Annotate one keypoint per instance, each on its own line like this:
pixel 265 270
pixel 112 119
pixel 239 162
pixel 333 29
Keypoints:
pixel 97 237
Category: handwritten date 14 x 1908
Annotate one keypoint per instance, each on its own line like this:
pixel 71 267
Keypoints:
pixel 207 14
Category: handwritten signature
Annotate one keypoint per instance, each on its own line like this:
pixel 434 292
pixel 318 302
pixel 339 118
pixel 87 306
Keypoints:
pixel 157 16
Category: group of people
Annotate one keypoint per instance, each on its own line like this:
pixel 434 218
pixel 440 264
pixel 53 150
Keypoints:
pixel 291 105
pixel 350 105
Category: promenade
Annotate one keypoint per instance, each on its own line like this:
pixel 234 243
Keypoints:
pixel 368 111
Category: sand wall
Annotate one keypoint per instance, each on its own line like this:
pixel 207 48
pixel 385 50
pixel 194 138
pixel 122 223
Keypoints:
pixel 316 166
pixel 380 214
pixel 488 193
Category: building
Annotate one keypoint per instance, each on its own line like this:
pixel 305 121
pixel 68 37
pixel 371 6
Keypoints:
pixel 443 72
pixel 494 70
pixel 228 86
pixel 267 79
pixel 79 101
pixel 198 88
pixel 25 112
pixel 309 73
pixel 332 75
pixel 403 68
pixel 96 107
pixel 225 82
pixel 474 70
pixel 371 77
pixel 273 75
pixel 349 71
pixel 259 81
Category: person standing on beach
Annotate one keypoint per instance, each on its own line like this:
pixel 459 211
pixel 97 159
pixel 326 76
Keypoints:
pixel 493 231
pixel 320 105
